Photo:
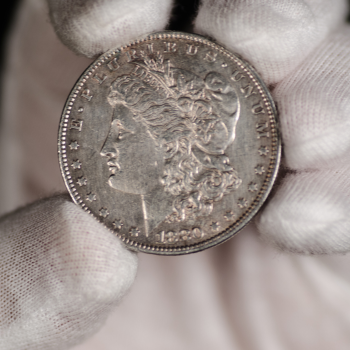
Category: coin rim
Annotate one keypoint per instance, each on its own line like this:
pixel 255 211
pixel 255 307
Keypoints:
pixel 272 171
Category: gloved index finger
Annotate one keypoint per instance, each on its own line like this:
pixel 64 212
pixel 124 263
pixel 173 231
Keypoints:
pixel 95 26
pixel 274 36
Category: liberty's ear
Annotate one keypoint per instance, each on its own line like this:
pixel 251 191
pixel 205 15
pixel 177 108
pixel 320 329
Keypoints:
pixel 211 136
pixel 210 161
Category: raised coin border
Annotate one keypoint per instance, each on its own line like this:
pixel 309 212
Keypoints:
pixel 271 172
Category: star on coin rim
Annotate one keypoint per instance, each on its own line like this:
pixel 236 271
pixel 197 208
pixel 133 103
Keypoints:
pixel 271 171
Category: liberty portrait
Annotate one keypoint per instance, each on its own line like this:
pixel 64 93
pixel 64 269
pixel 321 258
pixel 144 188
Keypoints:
pixel 167 140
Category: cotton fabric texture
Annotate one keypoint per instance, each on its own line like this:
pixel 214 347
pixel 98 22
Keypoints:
pixel 282 283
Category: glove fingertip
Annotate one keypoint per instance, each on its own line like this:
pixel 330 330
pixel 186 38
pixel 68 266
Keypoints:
pixel 274 36
pixel 308 215
pixel 102 25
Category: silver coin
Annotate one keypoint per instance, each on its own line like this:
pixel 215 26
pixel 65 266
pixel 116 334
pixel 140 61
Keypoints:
pixel 171 142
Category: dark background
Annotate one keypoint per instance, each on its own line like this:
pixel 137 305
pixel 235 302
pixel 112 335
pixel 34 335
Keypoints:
pixel 6 17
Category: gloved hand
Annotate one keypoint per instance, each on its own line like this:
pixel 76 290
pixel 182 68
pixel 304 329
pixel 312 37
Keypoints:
pixel 301 49
pixel 68 270
pixel 61 271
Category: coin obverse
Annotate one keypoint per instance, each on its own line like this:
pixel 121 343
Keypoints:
pixel 171 142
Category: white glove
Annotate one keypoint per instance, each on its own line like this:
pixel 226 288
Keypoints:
pixel 287 43
pixel 302 49
pixel 61 271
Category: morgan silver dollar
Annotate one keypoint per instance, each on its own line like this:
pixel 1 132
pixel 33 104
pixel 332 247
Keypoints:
pixel 171 142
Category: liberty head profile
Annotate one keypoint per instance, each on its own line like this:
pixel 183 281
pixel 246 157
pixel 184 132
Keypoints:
pixel 167 141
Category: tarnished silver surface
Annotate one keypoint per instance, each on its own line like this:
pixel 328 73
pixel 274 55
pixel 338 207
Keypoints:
pixel 171 142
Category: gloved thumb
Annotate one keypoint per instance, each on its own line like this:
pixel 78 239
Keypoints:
pixel 61 273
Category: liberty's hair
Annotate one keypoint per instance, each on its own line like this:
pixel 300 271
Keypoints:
pixel 178 124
